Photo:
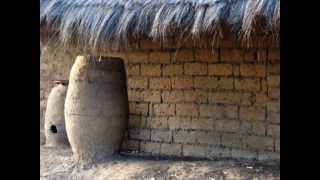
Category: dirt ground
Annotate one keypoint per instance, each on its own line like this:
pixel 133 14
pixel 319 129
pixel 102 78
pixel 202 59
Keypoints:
pixel 57 164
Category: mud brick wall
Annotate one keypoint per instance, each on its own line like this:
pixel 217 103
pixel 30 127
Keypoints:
pixel 194 102
pixel 205 103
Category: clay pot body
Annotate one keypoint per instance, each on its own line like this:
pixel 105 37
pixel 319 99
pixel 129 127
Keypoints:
pixel 55 131
pixel 96 107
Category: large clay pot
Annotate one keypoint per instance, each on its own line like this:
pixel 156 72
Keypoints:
pixel 55 130
pixel 96 107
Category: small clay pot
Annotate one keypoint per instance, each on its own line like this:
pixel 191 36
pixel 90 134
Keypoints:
pixel 55 130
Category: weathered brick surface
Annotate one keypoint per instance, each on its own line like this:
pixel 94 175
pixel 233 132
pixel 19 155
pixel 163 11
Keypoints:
pixel 150 70
pixel 209 56
pixel 187 109
pixel 260 143
pixel 161 135
pixel 150 147
pixel 160 57
pixel 177 122
pixel 138 83
pixel 160 83
pixel 195 69
pixel 164 109
pixel 220 69
pixel 151 96
pixel 182 82
pixel 172 70
pixel 252 113
pixel 252 70
pixel 252 85
pixel 218 112
pixel 171 149
pixel 232 140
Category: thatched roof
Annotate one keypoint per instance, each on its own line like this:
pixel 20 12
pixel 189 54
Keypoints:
pixel 95 23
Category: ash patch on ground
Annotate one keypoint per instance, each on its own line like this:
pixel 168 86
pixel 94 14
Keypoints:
pixel 57 164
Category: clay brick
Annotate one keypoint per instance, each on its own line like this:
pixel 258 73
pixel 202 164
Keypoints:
pixel 211 138
pixel 244 154
pixel 172 70
pixel 252 113
pixel 187 109
pixel 261 143
pixel 273 69
pixel 134 95
pixel 223 83
pixel 160 83
pixel 274 55
pixel 274 93
pixel 236 70
pixel 138 108
pixel 151 96
pixel 218 152
pixel 218 112
pixel 232 55
pixel 150 70
pixel 183 56
pixel 179 122
pixel 172 96
pixel 274 130
pixel 261 99
pixel 262 156
pixel 138 83
pixel 247 84
pixel 160 57
pixel 273 106
pixel 133 145
pixel 232 140
pixel 182 82
pixel 134 121
pixel 273 81
pixel 206 55
pixel 139 134
pixel 161 135
pixel 259 128
pixel 202 123
pixel 171 149
pixel 245 127
pixel 164 109
pixel 202 82
pixel 184 137
pixel 220 69
pixel 133 70
pixel 226 125
pixel 255 55
pixel 195 150
pixel 157 122
pixel 264 85
pixel 195 69
pixel 230 98
pixel 150 147
pixel 195 96
pixel 273 117
pixel 138 57
pixel 254 70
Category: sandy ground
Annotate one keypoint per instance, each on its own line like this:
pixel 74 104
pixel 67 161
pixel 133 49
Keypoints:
pixel 57 164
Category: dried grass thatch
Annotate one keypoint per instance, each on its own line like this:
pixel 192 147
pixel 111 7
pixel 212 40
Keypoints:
pixel 95 24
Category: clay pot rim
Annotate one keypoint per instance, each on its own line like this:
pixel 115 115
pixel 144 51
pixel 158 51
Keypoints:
pixel 63 82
